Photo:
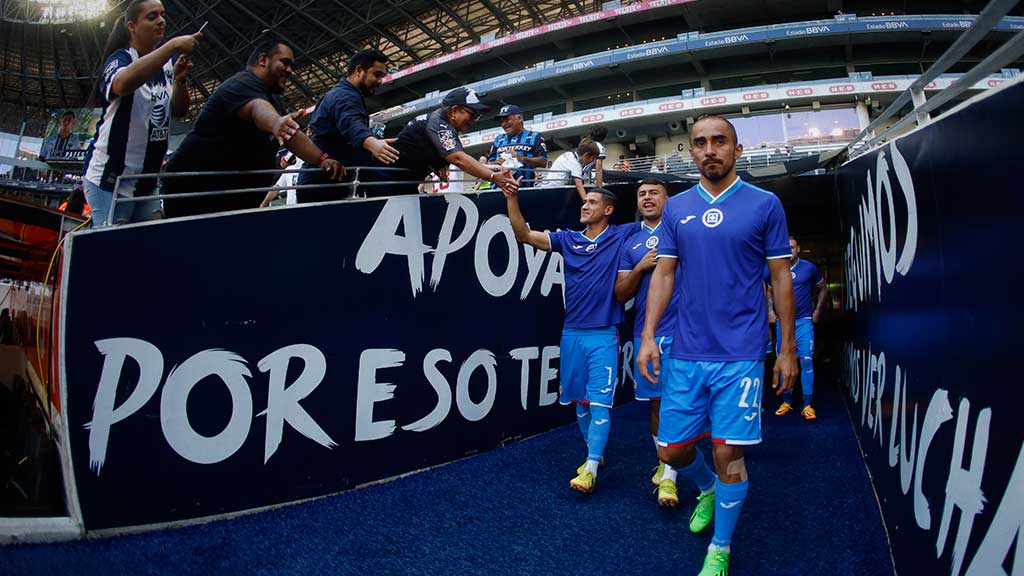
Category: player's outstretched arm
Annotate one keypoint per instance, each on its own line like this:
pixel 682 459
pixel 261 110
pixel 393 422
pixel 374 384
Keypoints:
pixel 539 240
pixel 786 367
pixel 659 293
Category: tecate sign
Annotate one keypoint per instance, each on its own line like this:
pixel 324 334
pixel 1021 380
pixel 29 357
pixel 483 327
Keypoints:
pixel 592 118
pixel 556 124
pixel 713 100
pixel 842 89
pixel 883 86
pixel 631 112
pixel 752 96
pixel 800 92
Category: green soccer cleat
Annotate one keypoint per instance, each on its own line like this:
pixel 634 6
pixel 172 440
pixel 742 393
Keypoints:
pixel 658 473
pixel 667 495
pixel 584 482
pixel 716 563
pixel 703 514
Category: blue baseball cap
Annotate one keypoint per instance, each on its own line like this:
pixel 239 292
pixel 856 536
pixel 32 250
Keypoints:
pixel 508 110
pixel 465 97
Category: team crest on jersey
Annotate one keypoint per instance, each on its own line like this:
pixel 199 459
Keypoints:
pixel 447 139
pixel 652 242
pixel 794 275
pixel 713 217
pixel 591 247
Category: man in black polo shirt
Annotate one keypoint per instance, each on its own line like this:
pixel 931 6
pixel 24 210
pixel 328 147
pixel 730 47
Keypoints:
pixel 341 128
pixel 430 144
pixel 241 127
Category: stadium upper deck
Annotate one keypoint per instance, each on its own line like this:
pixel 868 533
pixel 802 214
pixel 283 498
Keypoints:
pixel 803 51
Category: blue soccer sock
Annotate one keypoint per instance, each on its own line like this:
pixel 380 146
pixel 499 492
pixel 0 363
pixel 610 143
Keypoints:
pixel 699 473
pixel 600 425
pixel 807 379
pixel 728 505
pixel 583 419
pixel 786 396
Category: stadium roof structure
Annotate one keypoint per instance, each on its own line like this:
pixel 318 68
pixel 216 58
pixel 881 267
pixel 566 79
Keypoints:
pixel 51 48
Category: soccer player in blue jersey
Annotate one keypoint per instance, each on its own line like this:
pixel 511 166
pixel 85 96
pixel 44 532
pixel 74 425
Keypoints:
pixel 717 236
pixel 526 146
pixel 810 295
pixel 589 346
pixel 636 261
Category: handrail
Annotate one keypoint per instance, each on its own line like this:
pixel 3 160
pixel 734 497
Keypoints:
pixel 354 184
pixel 983 24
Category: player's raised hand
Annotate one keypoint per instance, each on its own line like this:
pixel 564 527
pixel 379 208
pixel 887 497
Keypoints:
pixel 649 353
pixel 785 372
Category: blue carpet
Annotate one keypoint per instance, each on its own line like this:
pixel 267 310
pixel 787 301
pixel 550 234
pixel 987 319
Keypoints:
pixel 510 511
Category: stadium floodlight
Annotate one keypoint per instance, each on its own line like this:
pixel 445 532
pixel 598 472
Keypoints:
pixel 57 11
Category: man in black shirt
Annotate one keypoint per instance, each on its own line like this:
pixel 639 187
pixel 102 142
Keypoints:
pixel 241 127
pixel 431 144
pixel 341 125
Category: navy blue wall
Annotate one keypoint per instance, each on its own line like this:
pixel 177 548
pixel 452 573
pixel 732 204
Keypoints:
pixel 380 306
pixel 932 227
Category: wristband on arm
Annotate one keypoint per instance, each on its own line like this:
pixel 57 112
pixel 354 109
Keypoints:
pixel 323 156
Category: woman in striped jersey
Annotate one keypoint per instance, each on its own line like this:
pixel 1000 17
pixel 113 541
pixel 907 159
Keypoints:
pixel 139 86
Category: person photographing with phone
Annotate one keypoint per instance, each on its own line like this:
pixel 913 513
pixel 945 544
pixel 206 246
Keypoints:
pixel 141 83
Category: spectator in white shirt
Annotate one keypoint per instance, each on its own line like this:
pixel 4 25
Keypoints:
pixel 567 169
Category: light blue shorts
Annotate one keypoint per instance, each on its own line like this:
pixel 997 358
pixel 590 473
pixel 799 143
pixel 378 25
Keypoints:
pixel 589 366
pixel 804 337
pixel 645 389
pixel 720 399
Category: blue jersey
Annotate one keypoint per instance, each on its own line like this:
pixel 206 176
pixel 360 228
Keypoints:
pixel 590 276
pixel 527 143
pixel 721 245
pixel 805 278
pixel 633 250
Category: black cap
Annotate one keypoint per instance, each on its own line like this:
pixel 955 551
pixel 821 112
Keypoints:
pixel 465 97
pixel 508 110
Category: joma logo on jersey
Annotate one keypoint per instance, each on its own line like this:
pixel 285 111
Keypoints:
pixel 799 92
pixel 652 242
pixel 842 88
pixel 631 112
pixel 883 86
pixel 755 96
pixel 592 118
pixel 713 100
pixel 712 218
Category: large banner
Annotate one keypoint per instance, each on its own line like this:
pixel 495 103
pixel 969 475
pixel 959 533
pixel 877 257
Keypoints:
pixel 932 240
pixel 226 363
pixel 68 134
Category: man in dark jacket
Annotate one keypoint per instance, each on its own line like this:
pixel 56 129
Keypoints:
pixel 341 128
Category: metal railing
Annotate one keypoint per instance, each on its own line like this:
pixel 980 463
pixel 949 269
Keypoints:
pixel 983 24
pixel 355 184
pixel 680 163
